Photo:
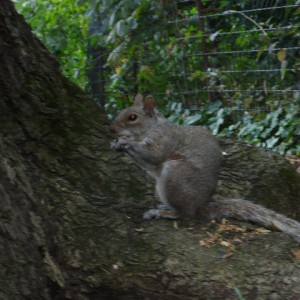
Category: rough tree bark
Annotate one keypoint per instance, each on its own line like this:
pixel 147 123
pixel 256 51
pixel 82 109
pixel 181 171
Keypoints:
pixel 70 222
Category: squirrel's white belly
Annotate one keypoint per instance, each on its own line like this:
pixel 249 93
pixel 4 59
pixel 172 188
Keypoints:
pixel 160 178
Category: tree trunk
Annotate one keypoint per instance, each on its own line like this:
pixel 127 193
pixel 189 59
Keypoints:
pixel 71 225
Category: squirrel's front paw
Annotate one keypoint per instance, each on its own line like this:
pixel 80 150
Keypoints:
pixel 118 145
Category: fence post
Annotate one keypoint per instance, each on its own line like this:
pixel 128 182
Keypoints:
pixel 204 46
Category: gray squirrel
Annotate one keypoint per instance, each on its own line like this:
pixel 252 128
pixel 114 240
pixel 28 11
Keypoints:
pixel 185 162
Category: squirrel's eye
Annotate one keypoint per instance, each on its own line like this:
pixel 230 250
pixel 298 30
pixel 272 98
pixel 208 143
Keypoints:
pixel 132 117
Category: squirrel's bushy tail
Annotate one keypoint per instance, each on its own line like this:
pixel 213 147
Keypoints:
pixel 248 211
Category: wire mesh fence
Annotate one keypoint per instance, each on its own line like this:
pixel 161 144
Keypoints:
pixel 245 52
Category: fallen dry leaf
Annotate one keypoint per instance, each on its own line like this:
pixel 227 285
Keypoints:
pixel 262 230
pixel 175 225
pixel 228 254
pixel 225 244
pixel 217 238
pixel 294 160
pixel 296 254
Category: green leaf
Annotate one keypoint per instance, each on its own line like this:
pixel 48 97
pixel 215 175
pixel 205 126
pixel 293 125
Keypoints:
pixel 190 120
pixel 213 36
pixel 113 18
pixel 121 28
pixel 283 68
pixel 132 23
pixel 281 55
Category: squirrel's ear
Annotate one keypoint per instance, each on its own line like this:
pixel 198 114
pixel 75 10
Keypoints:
pixel 138 100
pixel 149 104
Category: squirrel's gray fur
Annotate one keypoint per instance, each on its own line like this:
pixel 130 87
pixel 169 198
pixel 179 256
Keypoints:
pixel 185 162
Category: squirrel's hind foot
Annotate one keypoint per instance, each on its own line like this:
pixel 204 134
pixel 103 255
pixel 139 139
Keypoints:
pixel 161 212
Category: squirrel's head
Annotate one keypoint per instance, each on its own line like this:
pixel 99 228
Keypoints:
pixel 134 122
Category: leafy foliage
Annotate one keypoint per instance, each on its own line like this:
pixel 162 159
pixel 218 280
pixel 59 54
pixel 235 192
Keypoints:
pixel 278 130
pixel 159 48
pixel 63 27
